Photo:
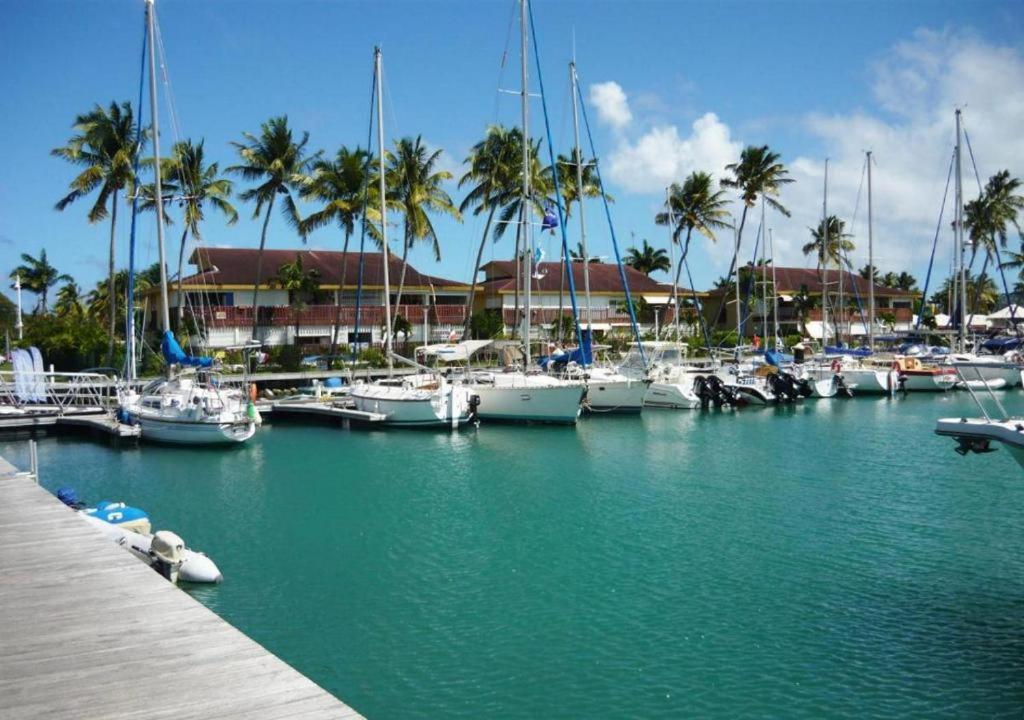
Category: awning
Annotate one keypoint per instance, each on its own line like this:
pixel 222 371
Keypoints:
pixel 657 299
pixel 599 327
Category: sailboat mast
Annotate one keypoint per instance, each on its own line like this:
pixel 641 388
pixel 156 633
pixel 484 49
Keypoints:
pixel 764 275
pixel 165 317
pixel 739 321
pixel 871 265
pixel 377 62
pixel 959 234
pixel 525 216
pixel 824 264
pixel 775 295
pixel 579 193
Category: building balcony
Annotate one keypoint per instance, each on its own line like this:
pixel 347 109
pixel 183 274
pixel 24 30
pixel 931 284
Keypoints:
pixel 325 315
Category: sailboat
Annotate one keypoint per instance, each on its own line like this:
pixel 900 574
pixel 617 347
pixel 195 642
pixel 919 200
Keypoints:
pixel 424 399
pixel 527 394
pixel 608 389
pixel 186 407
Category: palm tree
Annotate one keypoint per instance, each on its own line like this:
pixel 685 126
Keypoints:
pixel 278 163
pixel 300 284
pixel 38 276
pixel 694 205
pixel 987 218
pixel 567 184
pixel 196 184
pixel 577 255
pixel 340 185
pixel 494 167
pixel 869 272
pixel 906 281
pixel 758 174
pixel 415 182
pixel 803 301
pixel 69 301
pixel 97 300
pixel 648 259
pixel 839 244
pixel 105 145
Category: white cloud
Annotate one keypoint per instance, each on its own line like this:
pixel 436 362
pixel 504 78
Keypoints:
pixel 909 127
pixel 661 155
pixel 612 106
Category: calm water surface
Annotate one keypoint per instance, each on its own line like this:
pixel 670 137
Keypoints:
pixel 834 559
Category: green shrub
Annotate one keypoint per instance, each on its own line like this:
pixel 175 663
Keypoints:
pixel 373 357
pixel 486 324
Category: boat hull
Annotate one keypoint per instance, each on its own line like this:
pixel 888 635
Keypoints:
pixel 448 409
pixel 675 396
pixel 869 381
pixel 928 380
pixel 1010 433
pixel 546 404
pixel 182 432
pixel 615 396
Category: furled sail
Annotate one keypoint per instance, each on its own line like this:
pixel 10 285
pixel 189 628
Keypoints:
pixel 174 355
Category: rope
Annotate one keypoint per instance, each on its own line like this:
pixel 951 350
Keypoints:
pixel 611 227
pixel 558 194
pixel 129 356
pixel 362 225
pixel 935 243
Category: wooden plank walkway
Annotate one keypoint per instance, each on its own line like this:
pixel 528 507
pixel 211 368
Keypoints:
pixel 88 631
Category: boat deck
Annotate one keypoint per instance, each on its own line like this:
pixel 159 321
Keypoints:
pixel 90 631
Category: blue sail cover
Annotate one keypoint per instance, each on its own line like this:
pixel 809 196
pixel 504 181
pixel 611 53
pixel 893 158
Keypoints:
pixel 174 355
pixel 581 356
pixel 843 350
pixel 774 357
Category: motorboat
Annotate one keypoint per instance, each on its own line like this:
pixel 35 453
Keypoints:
pixel 977 434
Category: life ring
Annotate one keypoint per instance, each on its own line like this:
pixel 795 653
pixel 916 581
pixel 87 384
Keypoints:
pixel 896 365
pixel 836 365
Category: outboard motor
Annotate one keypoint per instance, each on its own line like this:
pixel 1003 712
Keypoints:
pixel 474 404
pixel 803 387
pixel 702 391
pixel 842 389
pixel 720 393
pixel 165 552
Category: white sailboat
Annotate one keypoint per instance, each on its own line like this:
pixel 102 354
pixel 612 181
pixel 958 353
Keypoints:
pixel 185 407
pixel 426 399
pixel 978 433
pixel 526 394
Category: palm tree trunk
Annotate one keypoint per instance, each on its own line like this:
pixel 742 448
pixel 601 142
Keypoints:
pixel 732 265
pixel 181 263
pixel 476 272
pixel 405 264
pixel 341 293
pixel 259 269
pixel 111 298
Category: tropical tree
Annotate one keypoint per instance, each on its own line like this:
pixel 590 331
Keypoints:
pixel 300 283
pixel 69 301
pixel 648 259
pixel 982 294
pixel 98 302
pixel 577 255
pixel 803 302
pixel 494 174
pixel 340 186
pixel 38 276
pixel 694 205
pixel 196 184
pixel 105 145
pixel 906 281
pixel 832 249
pixel 568 185
pixel 758 174
pixel 869 272
pixel 278 163
pixel 415 183
pixel 987 219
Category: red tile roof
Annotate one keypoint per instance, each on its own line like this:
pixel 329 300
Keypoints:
pixel 604 277
pixel 237 266
pixel 791 279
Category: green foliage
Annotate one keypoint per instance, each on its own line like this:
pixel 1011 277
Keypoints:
pixel 39 276
pixel 723 338
pixel 486 324
pixel 839 244
pixel 67 343
pixel 286 357
pixel 400 325
pixel 563 329
pixel 790 340
pixel 373 357
pixel 647 259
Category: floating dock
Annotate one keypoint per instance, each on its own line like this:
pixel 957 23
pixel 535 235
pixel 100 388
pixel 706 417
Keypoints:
pixel 94 419
pixel 87 630
pixel 341 410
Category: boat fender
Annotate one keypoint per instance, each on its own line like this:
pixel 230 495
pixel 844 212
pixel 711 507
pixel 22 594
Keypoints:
pixel 837 365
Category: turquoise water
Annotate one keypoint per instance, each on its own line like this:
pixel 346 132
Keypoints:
pixel 834 559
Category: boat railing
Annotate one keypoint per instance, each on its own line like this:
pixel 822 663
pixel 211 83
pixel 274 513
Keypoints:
pixel 970 382
pixel 56 390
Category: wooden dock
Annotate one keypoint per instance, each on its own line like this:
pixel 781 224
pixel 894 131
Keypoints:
pixel 89 631
pixel 337 410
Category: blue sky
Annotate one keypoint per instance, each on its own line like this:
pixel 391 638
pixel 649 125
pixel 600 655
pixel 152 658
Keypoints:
pixel 686 84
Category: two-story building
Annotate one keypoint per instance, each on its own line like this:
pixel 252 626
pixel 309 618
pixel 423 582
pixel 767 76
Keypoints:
pixel 608 310
pixel 799 294
pixel 219 295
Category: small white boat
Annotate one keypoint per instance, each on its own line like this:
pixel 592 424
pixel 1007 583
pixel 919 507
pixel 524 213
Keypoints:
pixel 421 400
pixel 517 396
pixel 609 391
pixel 163 550
pixel 186 410
pixel 988 367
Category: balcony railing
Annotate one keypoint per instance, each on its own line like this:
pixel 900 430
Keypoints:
pixel 901 315
pixel 547 315
pixel 325 315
